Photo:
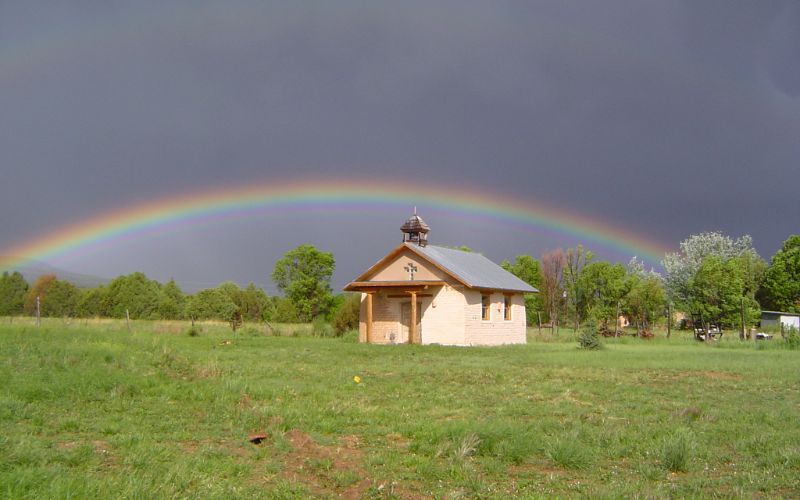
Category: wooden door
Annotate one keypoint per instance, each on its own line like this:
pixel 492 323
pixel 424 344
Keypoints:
pixel 405 322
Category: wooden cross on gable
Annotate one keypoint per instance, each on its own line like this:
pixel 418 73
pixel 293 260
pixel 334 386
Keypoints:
pixel 411 269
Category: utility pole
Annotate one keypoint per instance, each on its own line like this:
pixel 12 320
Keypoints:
pixel 616 322
pixel 38 312
pixel 128 320
pixel 539 316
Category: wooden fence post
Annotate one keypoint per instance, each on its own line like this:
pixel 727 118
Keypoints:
pixel 669 319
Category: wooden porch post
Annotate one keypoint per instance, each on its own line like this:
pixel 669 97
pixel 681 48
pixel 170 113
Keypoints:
pixel 413 331
pixel 369 317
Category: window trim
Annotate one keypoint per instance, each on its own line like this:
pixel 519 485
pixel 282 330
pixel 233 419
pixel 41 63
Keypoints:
pixel 507 303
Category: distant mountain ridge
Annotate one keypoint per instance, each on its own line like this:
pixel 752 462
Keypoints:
pixel 32 269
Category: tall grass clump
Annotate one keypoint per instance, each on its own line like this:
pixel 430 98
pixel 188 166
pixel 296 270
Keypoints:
pixel 321 328
pixel 677 450
pixel 792 340
pixel 568 453
pixel 465 447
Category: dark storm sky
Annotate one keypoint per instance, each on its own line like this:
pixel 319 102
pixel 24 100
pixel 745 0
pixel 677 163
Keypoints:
pixel 662 117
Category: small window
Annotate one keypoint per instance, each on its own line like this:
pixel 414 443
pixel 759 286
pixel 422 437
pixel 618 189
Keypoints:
pixel 485 305
pixel 507 308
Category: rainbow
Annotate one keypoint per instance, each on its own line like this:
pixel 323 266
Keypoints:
pixel 303 196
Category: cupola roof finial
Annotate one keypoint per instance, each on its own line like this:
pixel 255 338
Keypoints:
pixel 415 230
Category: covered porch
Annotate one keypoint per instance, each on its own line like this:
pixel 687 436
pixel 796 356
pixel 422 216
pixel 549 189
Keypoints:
pixel 392 311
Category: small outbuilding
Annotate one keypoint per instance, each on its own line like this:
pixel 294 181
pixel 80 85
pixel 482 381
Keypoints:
pixel 783 320
pixel 425 294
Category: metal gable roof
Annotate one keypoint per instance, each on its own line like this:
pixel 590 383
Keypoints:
pixel 473 269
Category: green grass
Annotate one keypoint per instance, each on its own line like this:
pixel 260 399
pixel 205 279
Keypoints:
pixel 94 410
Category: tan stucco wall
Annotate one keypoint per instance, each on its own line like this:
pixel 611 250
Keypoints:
pixel 495 331
pixel 443 322
pixel 452 316
pixel 394 270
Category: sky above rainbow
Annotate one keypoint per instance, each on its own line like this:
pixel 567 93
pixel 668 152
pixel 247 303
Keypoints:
pixel 301 197
pixel 178 138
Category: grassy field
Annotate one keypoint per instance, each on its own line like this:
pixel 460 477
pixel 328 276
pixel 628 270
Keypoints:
pixel 95 410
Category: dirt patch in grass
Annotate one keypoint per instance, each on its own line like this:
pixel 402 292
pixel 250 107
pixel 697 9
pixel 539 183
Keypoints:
pixel 325 470
pixel 698 375
pixel 721 375
pixel 396 440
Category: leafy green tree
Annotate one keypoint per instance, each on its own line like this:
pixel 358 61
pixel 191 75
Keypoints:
pixel 284 311
pixel 211 303
pixel 603 286
pixel 253 303
pixel 13 289
pixel 681 266
pixel 92 302
pixel 780 290
pixel 171 301
pixel 526 268
pixel 644 299
pixel 61 299
pixel 716 292
pixel 134 292
pixel 716 277
pixel 303 275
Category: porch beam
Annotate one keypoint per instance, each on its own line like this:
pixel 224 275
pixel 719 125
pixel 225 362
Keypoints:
pixel 413 331
pixel 369 317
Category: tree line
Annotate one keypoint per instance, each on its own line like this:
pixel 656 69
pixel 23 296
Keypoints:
pixel 713 277
pixel 302 276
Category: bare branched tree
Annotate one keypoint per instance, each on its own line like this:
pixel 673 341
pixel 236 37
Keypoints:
pixel 552 270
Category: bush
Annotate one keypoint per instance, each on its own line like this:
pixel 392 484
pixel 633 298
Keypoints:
pixel 589 339
pixel 346 316
pixel 194 331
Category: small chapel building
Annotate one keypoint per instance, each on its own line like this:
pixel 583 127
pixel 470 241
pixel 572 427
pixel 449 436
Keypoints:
pixel 425 294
